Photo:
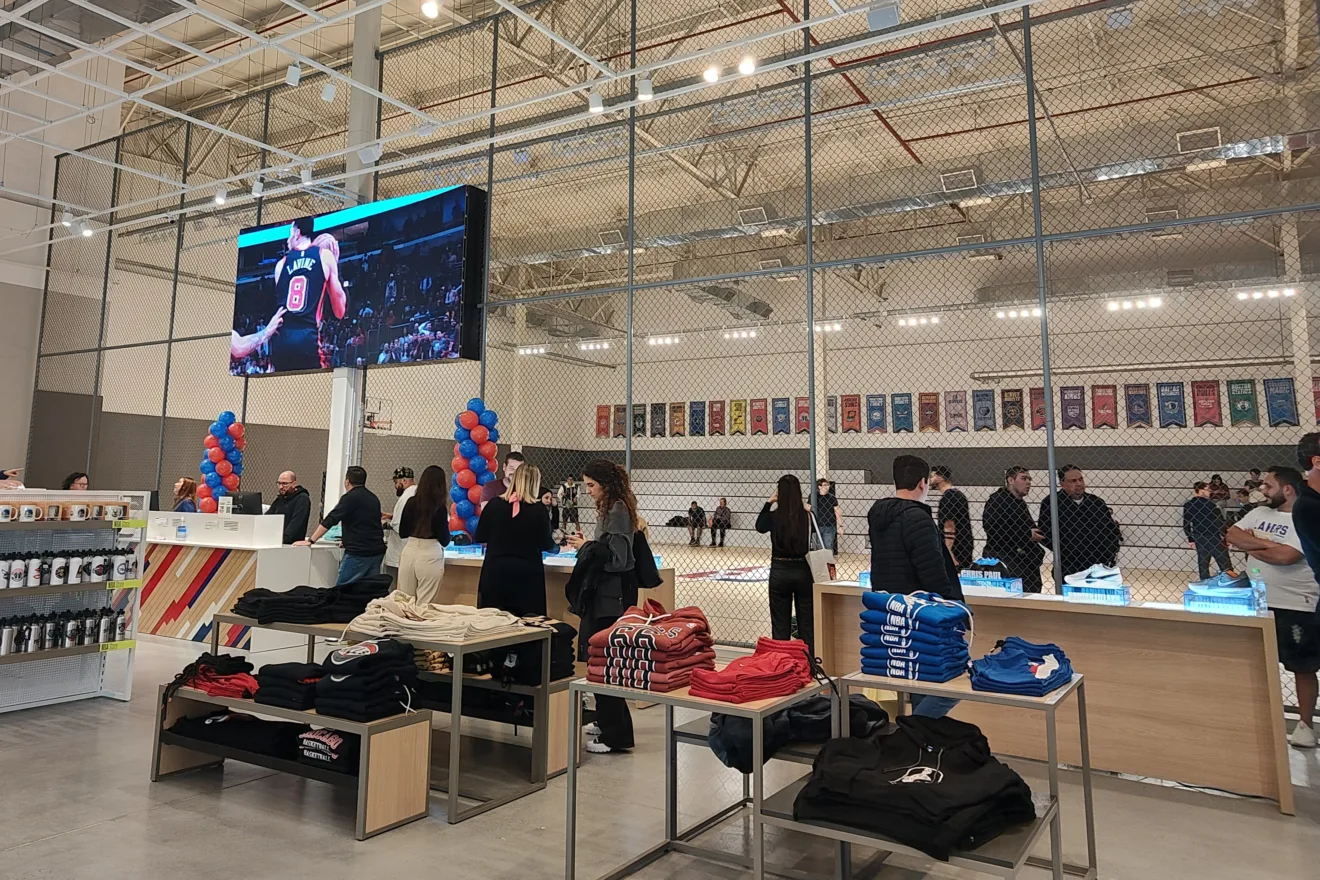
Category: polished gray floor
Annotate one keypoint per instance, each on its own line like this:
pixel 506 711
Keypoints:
pixel 76 804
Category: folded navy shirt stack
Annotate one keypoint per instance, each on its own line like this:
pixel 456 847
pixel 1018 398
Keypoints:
pixel 311 605
pixel 1017 666
pixel 330 749
pixel 921 637
pixel 290 685
pixel 367 681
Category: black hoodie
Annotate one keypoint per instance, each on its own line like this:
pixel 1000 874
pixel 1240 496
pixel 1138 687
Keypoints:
pixel 297 510
pixel 907 550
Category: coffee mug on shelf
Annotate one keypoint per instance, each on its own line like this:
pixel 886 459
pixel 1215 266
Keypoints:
pixel 53 511
pixel 74 511
pixel 114 512
pixel 8 512
pixel 95 511
pixel 31 512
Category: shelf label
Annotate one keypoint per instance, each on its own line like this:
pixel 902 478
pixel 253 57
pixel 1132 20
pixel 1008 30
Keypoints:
pixel 124 585
pixel 106 647
pixel 129 524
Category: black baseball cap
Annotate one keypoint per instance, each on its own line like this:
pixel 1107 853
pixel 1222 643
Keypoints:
pixel 403 473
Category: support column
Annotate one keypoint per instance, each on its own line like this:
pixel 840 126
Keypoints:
pixel 1299 328
pixel 820 401
pixel 363 109
pixel 345 429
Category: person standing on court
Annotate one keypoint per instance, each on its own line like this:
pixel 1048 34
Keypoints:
pixel 515 528
pixel 404 488
pixel 1203 525
pixel 953 515
pixel 1011 535
pixel 1088 533
pixel 424 525
pixel 825 507
pixel 786 518
pixel 363 538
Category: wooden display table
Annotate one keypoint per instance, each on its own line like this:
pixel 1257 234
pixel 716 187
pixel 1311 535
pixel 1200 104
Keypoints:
pixel 393 771
pixel 1150 671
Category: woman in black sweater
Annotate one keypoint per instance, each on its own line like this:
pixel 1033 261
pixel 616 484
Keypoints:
pixel 791 582
pixel 424 525
pixel 515 527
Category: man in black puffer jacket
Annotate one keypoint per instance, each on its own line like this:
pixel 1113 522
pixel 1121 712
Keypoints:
pixel 907 551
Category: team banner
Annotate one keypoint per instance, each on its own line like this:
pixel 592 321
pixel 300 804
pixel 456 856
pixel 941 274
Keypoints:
pixel 832 414
pixel 1072 400
pixel 677 419
pixel 620 427
pixel 657 420
pixel 737 417
pixel 983 410
pixel 639 419
pixel 1104 406
pixel 603 421
pixel 1281 403
pixel 1205 404
pixel 902 413
pixel 697 418
pixel 1137 398
pixel 928 417
pixel 875 414
pixel 801 415
pixel 717 418
pixel 760 416
pixel 1013 412
pixel 780 415
pixel 1242 408
pixel 955 410
pixel 1173 408
pixel 851 405
pixel 1037 409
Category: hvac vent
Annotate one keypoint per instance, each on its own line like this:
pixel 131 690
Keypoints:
pixel 956 181
pixel 731 300
pixel 971 239
pixel 770 264
pixel 883 17
pixel 1180 277
pixel 611 237
pixel 1199 139
pixel 1165 215
pixel 752 216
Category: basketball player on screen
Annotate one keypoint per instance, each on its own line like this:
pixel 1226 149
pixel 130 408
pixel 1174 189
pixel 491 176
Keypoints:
pixel 303 277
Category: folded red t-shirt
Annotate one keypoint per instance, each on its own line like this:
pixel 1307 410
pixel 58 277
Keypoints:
pixel 695 645
pixel 757 677
pixel 702 659
pixel 653 628
pixel 642 679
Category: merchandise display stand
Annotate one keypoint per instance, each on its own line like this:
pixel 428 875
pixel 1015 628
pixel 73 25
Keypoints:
pixel 676 840
pixel 333 632
pixel 65 672
pixel 1005 855
pixel 393 771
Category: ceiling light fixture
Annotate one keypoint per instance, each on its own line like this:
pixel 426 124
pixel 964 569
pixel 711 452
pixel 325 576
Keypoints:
pixel 1273 294
pixel 257 188
pixel 645 89
pixel 305 174
pixel 431 9
pixel 712 74
pixel 532 350
pixel 747 66
pixel 1242 294
pixel 66 219
pixel 1288 291
pixel 1256 294
pixel 84 228
pixel 328 92
pixel 595 103
pixel 220 195
pixel 370 153
pixel 293 75
pixel 1001 315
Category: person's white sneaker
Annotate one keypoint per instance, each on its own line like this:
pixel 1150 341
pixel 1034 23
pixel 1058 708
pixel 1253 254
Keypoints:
pixel 596 747
pixel 592 729
pixel 1303 737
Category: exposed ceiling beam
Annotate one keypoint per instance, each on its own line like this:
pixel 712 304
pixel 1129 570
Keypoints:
pixel 535 23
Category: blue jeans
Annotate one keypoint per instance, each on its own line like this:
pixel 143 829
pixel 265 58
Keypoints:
pixel 354 568
pixel 932 707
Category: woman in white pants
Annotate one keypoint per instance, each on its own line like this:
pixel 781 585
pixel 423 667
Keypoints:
pixel 425 527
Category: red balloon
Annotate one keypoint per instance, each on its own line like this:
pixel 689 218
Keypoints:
pixel 211 442
pixel 480 434
pixel 203 490
pixel 216 454
pixel 474 494
pixel 230 482
pixel 468 419
pixel 236 430
pixel 458 464
pixel 224 468
pixel 207 505
pixel 240 443
pixel 492 464
pixel 466 478
pixel 456 524
pixel 456 451
pixel 488 450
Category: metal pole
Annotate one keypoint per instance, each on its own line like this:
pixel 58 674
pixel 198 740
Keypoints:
pixel 490 203
pixel 174 301
pixel 632 258
pixel 811 280
pixel 41 324
pixel 1040 295
pixel 105 298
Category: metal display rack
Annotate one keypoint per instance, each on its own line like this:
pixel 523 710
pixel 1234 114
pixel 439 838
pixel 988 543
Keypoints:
pixel 103 669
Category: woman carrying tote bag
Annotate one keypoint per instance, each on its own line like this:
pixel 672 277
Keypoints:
pixel 786 519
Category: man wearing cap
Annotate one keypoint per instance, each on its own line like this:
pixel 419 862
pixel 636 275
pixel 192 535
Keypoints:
pixel 404 488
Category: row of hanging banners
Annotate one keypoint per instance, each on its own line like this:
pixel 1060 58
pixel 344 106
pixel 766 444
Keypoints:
pixel 880 413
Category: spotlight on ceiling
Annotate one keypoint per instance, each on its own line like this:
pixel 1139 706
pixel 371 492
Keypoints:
pixel 712 74
pixel 328 92
pixel 1242 294
pixel 257 188
pixel 1288 291
pixel 293 75
pixel 747 66
pixel 595 103
pixel 83 228
pixel 370 153
pixel 305 174
pixel 220 196
pixel 431 9
pixel 645 89
pixel 66 219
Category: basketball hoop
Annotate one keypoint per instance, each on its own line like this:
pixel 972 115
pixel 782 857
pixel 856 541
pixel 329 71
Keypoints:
pixel 378 414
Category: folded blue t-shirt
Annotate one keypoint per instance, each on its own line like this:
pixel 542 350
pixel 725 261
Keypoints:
pixel 1022 667
pixel 910 639
pixel 898 624
pixel 956 655
pixel 913 671
pixel 928 609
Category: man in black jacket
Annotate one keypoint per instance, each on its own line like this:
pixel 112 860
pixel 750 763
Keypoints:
pixel 953 515
pixel 1203 525
pixel 1088 533
pixel 295 504
pixel 362 535
pixel 907 553
pixel 1011 535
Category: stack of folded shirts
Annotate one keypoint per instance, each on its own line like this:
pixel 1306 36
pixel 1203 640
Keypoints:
pixel 399 614
pixel 330 749
pixel 562 636
pixel 651 649
pixel 433 661
pixel 776 669
pixel 290 685
pixel 310 605
pixel 219 675
pixel 277 739
pixel 367 681
pixel 921 636
pixel 1017 666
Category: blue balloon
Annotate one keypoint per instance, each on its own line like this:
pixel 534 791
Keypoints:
pixel 219 491
pixel 458 423
pixel 212 479
pixel 208 466
pixel 465 508
pixel 218 430
pixel 457 493
pixel 235 456
pixel 467 449
pixel 226 418
pixel 227 444
pixel 472 524
pixel 461 434
pixel 484 478
pixel 488 418
pixel 477 405
pixel 494 435
pixel 238 469
pixel 477 465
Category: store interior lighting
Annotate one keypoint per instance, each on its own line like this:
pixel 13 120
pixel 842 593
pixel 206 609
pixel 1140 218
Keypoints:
pixel 918 320
pixel 370 153
pixel 257 187
pixel 592 346
pixel 1018 313
pixel 747 66
pixel 536 349
pixel 595 103
pixel 305 174
pixel 662 340
pixel 83 228
pixel 66 219
pixel 712 74
pixel 740 334
pixel 829 327
pixel 328 92
pixel 220 196
pixel 1127 305
pixel 1266 294
pixel 293 75
pixel 431 9
pixel 645 89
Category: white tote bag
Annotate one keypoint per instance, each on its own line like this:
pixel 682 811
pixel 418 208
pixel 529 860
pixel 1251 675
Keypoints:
pixel 821 559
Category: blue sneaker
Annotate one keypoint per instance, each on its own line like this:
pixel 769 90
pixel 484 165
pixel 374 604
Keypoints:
pixel 1224 583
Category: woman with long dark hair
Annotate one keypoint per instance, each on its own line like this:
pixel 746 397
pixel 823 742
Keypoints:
pixel 185 495
pixel 786 519
pixel 609 568
pixel 425 526
pixel 515 527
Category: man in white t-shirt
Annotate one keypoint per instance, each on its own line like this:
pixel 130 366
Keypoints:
pixel 1266 534
pixel 404 488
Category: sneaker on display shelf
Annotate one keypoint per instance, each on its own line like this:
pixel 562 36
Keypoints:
pixel 1303 737
pixel 1224 580
pixel 1096 575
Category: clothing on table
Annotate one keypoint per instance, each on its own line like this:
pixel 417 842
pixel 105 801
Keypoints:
pixel 659 662
pixel 730 736
pixel 653 628
pixel 398 614
pixel 1017 666
pixel 513 573
pixel 918 637
pixel 291 685
pixel 775 669
pixel 433 661
pixel 643 678
pixel 218 675
pixel 1007 522
pixel 296 508
pixel 953 508
pixel 331 749
pixel 275 739
pixel 1292 587
pixel 907 550
pixel 1088 533
pixel 310 605
pixel 366 681
pixel 393 540
pixel 355 568
pixel 674 645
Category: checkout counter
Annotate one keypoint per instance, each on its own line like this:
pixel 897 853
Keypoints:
pixel 202 568
pixel 1172 694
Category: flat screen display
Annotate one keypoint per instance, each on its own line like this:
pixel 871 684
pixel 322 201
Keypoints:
pixel 391 282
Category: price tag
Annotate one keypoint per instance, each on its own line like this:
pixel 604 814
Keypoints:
pixel 129 524
pixel 106 647
pixel 124 585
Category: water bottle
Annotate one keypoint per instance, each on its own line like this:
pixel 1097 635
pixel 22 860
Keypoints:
pixel 1258 590
pixel 181 533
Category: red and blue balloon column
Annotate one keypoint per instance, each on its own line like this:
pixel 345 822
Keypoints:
pixel 474 465
pixel 222 466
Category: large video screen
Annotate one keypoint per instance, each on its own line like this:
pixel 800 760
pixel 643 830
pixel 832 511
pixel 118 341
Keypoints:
pixel 390 282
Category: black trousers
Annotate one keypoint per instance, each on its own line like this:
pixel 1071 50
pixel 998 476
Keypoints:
pixel 1207 548
pixel 715 527
pixel 791 585
pixel 614 721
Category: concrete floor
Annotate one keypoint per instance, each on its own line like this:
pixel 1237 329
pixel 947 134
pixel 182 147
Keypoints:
pixel 76 804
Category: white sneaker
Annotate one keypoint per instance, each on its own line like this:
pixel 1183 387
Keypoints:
pixel 1096 574
pixel 592 729
pixel 596 747
pixel 1303 737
